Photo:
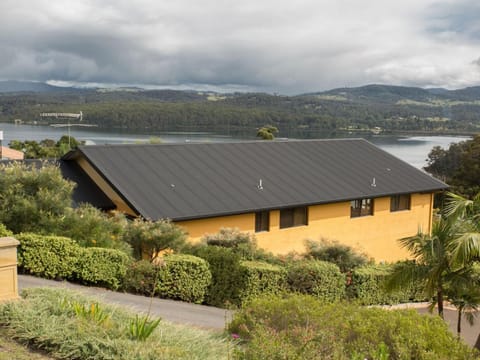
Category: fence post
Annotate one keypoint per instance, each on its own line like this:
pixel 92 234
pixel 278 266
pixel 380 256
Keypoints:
pixel 8 268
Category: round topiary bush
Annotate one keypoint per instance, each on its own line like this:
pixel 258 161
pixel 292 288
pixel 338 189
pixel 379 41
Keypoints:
pixel 318 278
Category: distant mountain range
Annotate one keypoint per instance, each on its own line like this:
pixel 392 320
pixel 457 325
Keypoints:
pixel 369 93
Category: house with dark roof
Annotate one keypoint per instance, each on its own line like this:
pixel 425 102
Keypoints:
pixel 282 191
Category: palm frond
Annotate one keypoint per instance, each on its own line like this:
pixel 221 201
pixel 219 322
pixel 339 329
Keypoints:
pixel 465 248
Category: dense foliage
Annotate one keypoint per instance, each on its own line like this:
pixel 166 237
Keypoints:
pixel 45 149
pixel 301 327
pixel 101 267
pixel 344 256
pixel 183 277
pixel 55 257
pixel 366 286
pixel 32 199
pixel 459 165
pixel 318 278
pixel 150 238
pixel 258 278
pixel 56 322
pixel 224 266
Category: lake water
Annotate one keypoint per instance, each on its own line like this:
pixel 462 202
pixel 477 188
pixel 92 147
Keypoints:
pixel 412 149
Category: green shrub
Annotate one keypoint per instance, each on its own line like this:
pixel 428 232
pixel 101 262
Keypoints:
pixel 259 278
pixel 183 277
pixel 33 199
pixel 241 242
pixel 224 266
pixel 55 257
pixel 89 226
pixel 51 257
pixel 4 231
pixel 104 267
pixel 344 256
pixel 141 278
pixel 318 278
pixel 150 238
pixel 301 327
pixel 366 287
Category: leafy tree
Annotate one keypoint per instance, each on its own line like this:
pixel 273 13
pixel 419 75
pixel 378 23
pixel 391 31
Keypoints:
pixel 267 132
pixel 459 165
pixel 33 199
pixel 150 238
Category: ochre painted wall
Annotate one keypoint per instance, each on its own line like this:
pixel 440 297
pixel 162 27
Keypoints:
pixel 376 235
pixel 105 187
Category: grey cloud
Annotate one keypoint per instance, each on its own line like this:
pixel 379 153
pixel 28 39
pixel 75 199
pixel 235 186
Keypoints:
pixel 303 46
pixel 459 18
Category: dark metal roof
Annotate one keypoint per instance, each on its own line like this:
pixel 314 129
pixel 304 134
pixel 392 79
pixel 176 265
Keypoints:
pixel 188 181
pixel 86 191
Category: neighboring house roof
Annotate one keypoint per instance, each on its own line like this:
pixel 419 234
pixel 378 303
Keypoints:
pixel 197 180
pixel 10 154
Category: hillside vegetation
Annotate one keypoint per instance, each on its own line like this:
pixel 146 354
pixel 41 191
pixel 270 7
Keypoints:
pixel 392 108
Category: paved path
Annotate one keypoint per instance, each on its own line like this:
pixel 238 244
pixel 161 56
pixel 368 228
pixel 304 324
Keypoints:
pixel 200 315
pixel 174 311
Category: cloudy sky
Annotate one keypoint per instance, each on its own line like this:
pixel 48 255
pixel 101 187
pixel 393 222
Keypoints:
pixel 279 46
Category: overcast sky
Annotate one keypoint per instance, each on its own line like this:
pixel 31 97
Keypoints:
pixel 280 46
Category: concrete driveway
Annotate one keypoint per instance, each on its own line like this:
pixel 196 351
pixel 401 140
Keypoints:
pixel 174 311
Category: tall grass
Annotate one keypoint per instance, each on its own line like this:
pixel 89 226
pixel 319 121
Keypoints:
pixel 44 320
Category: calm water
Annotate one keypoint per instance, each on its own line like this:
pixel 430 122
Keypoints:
pixel 413 150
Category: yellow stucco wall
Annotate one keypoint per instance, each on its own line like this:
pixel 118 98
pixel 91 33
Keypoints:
pixel 105 187
pixel 376 235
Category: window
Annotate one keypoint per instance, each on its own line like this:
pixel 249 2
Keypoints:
pixel 361 207
pixel 293 217
pixel 400 202
pixel 262 221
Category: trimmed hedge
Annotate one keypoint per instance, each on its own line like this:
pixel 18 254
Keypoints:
pixel 56 257
pixel 260 278
pixel 366 286
pixel 224 265
pixel 318 278
pixel 104 267
pixel 235 280
pixel 183 277
pixel 51 257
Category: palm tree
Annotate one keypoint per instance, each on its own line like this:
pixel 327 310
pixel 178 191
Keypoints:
pixel 464 294
pixel 431 265
pixel 466 246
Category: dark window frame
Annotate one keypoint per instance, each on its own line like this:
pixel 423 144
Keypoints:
pixel 293 217
pixel 262 221
pixel 402 202
pixel 361 207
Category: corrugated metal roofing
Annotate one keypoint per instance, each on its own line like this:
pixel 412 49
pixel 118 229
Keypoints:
pixel 188 181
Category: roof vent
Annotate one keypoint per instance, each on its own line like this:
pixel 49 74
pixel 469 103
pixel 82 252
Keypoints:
pixel 260 185
pixel 172 186
pixel 373 184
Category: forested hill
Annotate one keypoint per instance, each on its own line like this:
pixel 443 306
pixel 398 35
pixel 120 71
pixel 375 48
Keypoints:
pixel 391 108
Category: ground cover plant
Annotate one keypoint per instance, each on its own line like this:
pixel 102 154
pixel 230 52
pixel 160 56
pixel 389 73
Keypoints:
pixel 68 325
pixel 302 327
